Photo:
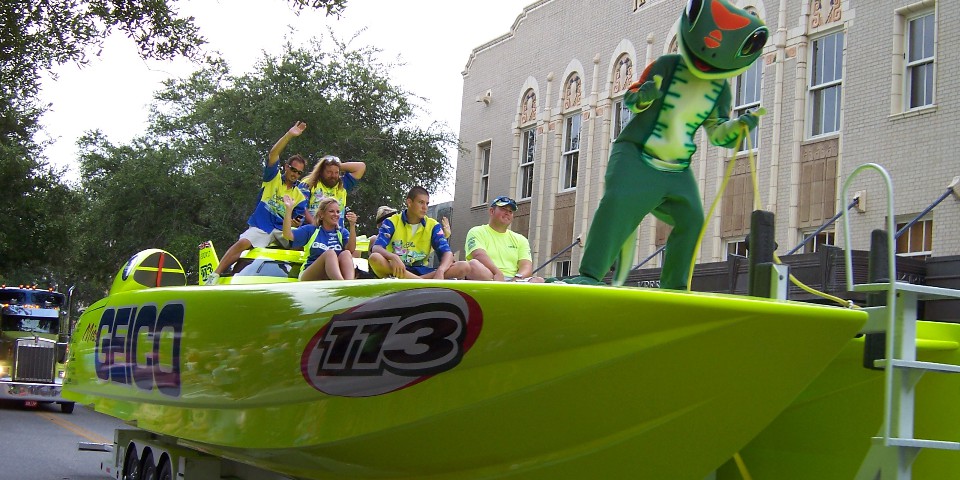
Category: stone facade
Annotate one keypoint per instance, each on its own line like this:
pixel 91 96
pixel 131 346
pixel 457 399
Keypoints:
pixel 568 58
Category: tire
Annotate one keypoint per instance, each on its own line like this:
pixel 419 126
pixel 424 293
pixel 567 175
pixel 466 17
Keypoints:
pixel 166 471
pixel 66 407
pixel 148 467
pixel 131 464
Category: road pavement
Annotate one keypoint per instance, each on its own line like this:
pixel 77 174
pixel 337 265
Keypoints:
pixel 40 442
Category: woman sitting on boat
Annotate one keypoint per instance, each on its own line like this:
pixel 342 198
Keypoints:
pixel 328 246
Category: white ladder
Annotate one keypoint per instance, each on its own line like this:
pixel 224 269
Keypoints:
pixel 894 449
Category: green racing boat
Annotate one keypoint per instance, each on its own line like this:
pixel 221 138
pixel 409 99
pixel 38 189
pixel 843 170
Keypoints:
pixel 407 379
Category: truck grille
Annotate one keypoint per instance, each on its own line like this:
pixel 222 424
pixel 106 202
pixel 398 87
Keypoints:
pixel 34 361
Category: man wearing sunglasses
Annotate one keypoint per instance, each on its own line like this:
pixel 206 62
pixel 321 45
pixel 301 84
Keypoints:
pixel 266 221
pixel 497 253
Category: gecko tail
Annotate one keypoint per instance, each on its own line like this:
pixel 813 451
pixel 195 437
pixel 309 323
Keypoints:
pixel 625 261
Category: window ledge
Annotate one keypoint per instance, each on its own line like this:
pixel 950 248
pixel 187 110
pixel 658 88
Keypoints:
pixel 916 112
pixel 820 138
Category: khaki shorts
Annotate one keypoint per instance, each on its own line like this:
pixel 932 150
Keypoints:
pixel 260 239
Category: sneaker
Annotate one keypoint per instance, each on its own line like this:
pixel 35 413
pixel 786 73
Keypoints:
pixel 212 279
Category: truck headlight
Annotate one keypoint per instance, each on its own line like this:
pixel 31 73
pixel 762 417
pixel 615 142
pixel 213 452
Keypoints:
pixel 61 373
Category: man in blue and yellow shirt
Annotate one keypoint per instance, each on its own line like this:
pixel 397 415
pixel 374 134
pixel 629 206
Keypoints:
pixel 266 221
pixel 406 240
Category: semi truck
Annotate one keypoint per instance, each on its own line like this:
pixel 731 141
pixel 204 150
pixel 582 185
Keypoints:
pixel 34 334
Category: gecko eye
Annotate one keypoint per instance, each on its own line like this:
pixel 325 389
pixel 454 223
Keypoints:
pixel 694 7
pixel 754 42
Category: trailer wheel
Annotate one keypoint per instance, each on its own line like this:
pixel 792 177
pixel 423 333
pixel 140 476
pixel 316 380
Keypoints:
pixel 166 471
pixel 131 464
pixel 66 407
pixel 148 468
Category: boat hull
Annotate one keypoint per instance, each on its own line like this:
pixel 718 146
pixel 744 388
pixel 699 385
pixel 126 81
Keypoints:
pixel 421 379
pixel 826 433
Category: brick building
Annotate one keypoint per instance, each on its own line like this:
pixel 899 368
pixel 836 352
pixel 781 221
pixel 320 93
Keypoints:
pixel 844 82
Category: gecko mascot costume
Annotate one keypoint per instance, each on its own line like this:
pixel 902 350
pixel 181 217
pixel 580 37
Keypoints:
pixel 649 162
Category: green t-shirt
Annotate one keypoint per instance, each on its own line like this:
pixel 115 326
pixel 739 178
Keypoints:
pixel 504 249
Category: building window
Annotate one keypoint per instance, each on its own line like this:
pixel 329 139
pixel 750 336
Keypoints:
pixel 571 152
pixel 527 149
pixel 621 115
pixel 920 54
pixel 825 83
pixel 822 238
pixel 917 241
pixel 736 247
pixel 561 268
pixel 748 98
pixel 484 160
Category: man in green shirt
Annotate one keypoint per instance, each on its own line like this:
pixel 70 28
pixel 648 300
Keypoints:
pixel 497 253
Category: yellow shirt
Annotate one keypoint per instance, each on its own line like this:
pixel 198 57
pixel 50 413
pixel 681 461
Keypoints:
pixel 504 249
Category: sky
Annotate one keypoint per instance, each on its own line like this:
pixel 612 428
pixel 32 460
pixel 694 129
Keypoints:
pixel 433 38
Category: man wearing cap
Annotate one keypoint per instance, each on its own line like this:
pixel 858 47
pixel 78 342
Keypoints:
pixel 266 221
pixel 383 213
pixel 497 253
pixel 405 240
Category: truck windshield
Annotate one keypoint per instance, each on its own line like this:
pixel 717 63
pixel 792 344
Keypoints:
pixel 38 298
pixel 13 297
pixel 15 323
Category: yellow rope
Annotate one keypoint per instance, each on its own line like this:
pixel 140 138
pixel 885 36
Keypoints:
pixel 745 134
pixel 706 220
pixel 742 467
pixel 756 198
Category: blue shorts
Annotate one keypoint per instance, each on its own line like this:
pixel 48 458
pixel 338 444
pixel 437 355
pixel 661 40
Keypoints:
pixel 421 271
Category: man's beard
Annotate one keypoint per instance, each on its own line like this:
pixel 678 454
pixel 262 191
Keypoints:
pixel 330 184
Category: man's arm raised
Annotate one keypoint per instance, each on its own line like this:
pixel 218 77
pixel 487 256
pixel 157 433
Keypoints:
pixel 278 147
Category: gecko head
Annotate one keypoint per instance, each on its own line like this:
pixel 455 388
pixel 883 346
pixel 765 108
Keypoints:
pixel 719 40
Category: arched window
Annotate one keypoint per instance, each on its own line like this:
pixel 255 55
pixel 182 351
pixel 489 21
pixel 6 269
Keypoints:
pixel 528 139
pixel 622 79
pixel 572 94
pixel 528 109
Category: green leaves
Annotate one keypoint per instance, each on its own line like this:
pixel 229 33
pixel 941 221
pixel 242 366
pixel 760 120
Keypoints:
pixel 195 175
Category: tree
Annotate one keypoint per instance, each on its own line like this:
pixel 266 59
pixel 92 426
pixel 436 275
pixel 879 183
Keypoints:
pixel 195 174
pixel 36 35
pixel 33 198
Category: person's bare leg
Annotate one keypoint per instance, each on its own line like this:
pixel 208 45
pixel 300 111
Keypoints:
pixel 479 271
pixel 316 271
pixel 331 265
pixel 346 265
pixel 379 265
pixel 232 255
pixel 459 269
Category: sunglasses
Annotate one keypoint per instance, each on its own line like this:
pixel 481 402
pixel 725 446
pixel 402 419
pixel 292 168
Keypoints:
pixel 330 159
pixel 294 170
pixel 504 201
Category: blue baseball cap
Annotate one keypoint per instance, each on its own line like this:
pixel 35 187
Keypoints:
pixel 503 201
